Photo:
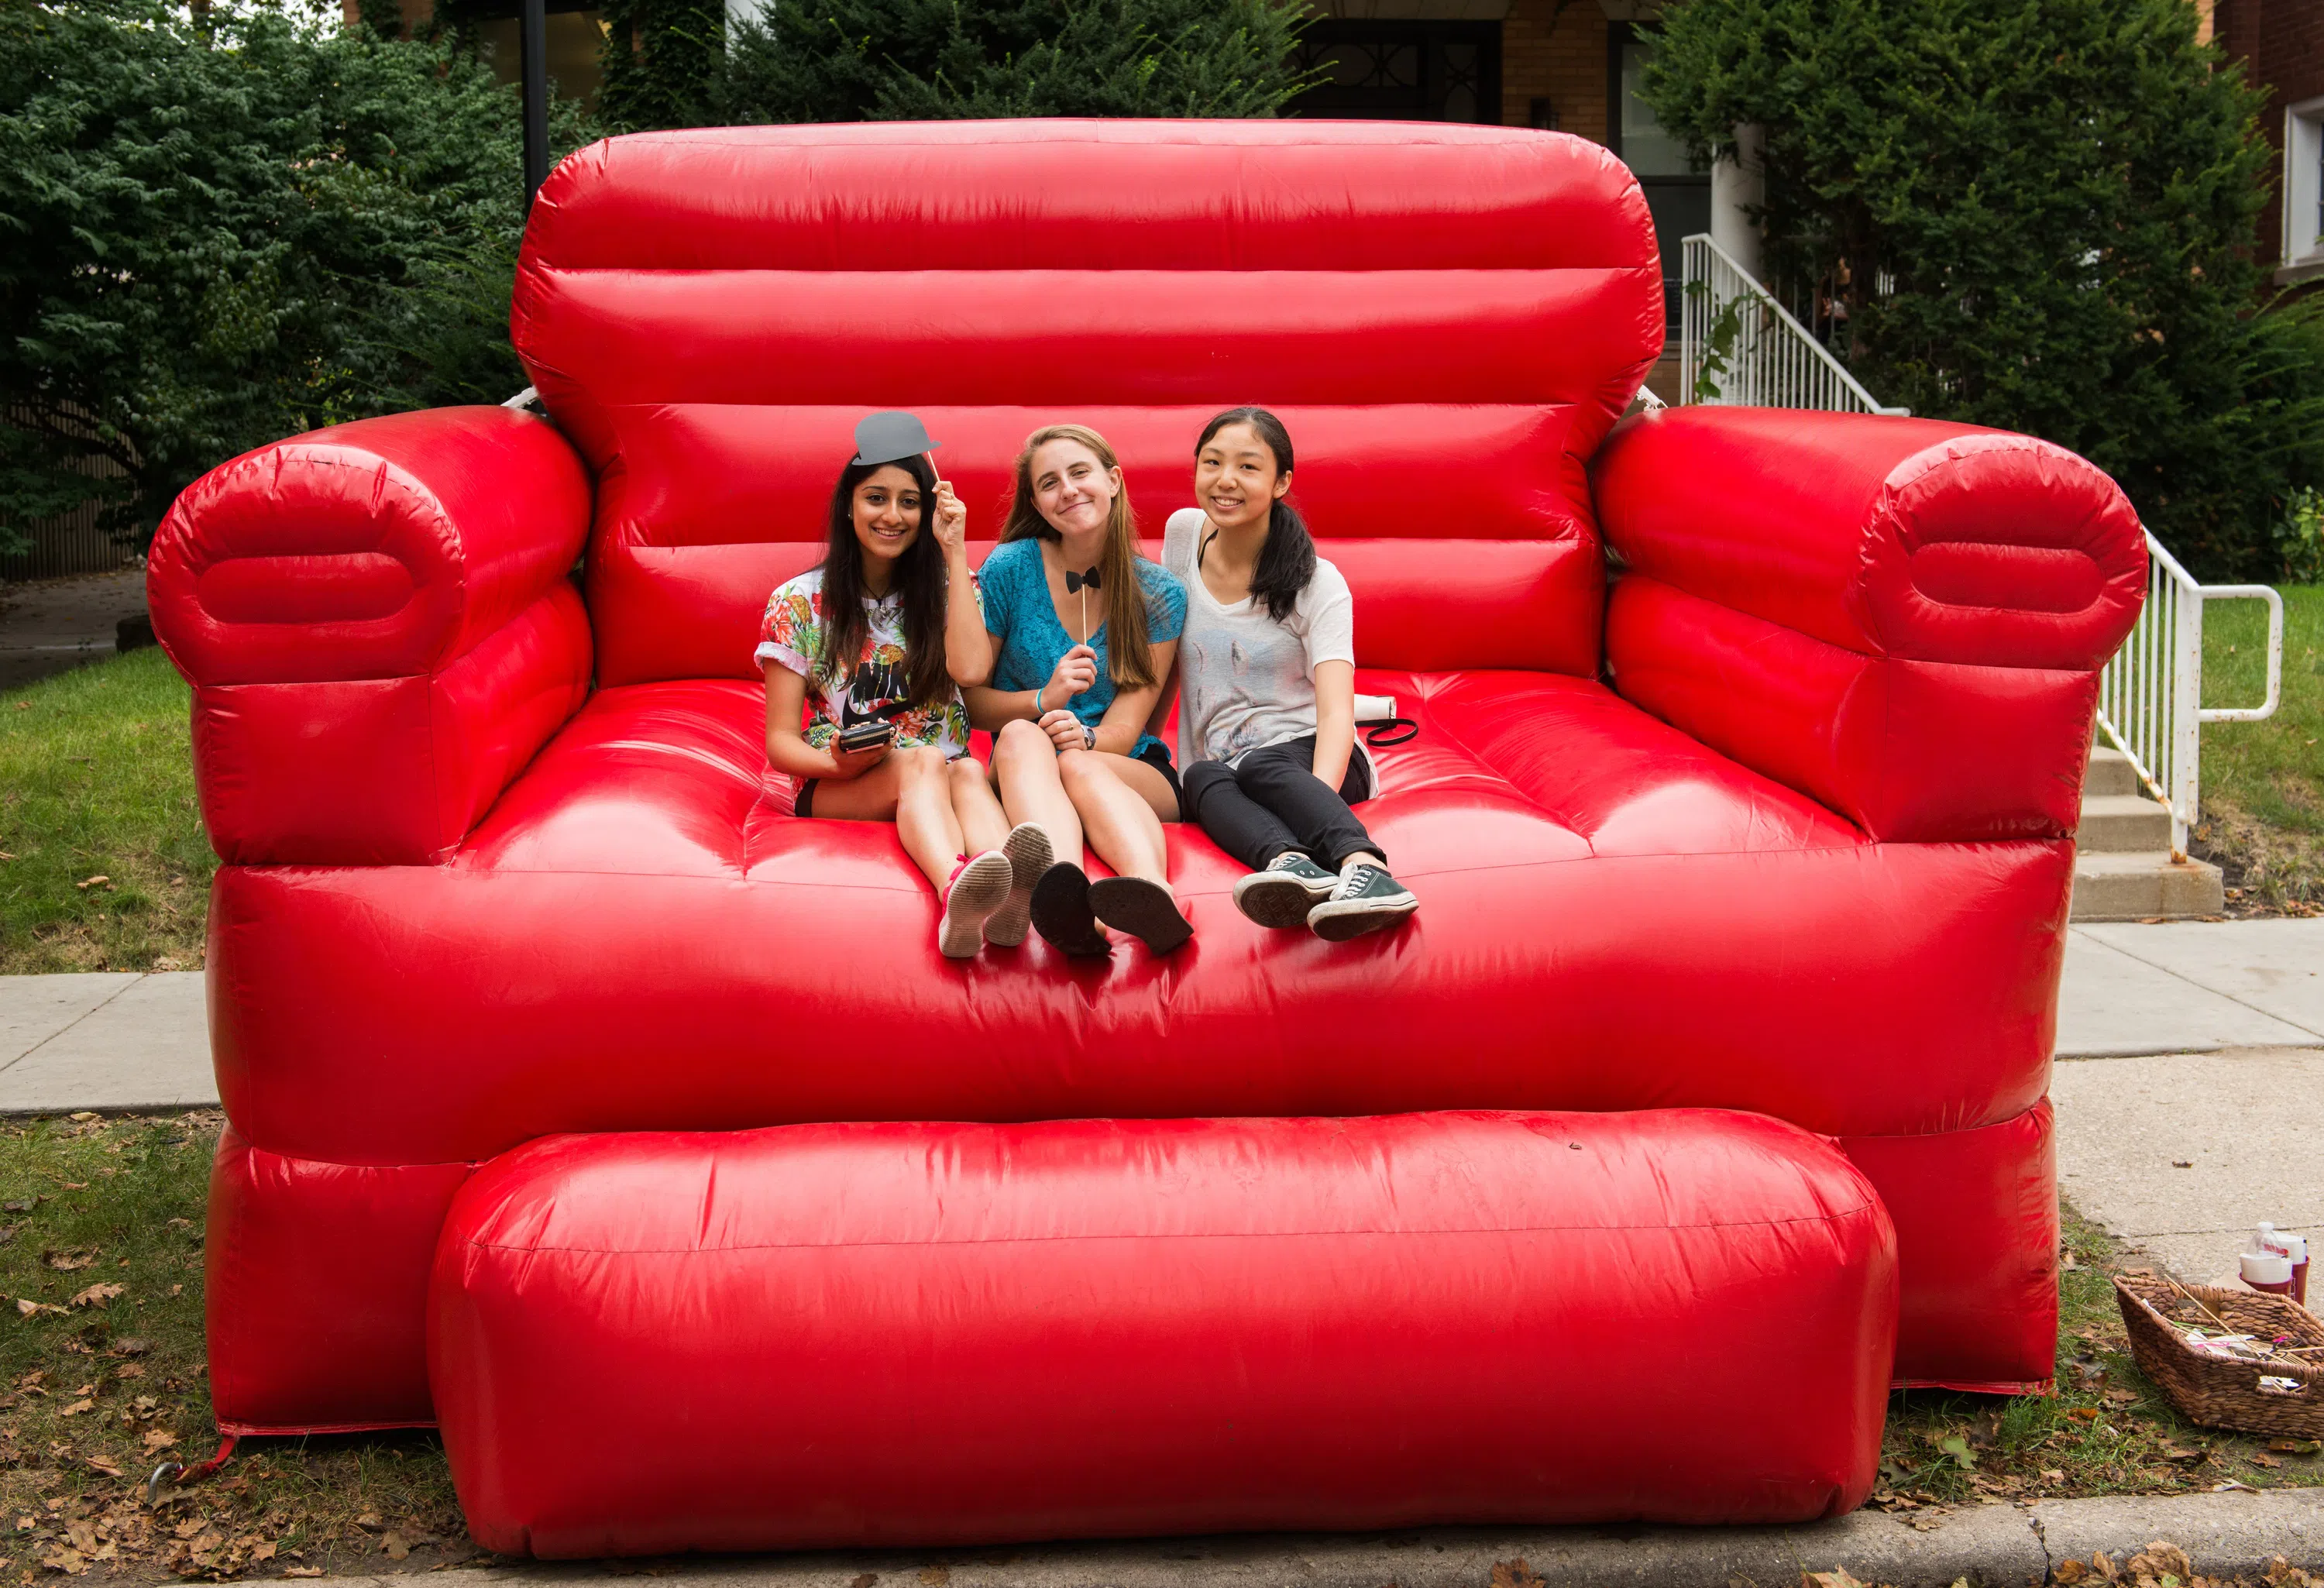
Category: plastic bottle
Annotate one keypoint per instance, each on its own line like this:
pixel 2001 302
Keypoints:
pixel 2295 1247
pixel 2266 1266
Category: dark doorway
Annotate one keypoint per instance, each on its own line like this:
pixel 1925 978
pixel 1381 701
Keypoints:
pixel 1677 194
pixel 1402 71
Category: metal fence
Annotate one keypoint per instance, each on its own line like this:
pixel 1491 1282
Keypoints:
pixel 1737 344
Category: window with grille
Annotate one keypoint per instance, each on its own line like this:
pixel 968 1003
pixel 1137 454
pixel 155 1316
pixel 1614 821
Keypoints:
pixel 2303 183
pixel 1402 71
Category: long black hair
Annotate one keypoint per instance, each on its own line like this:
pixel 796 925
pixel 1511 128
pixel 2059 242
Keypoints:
pixel 918 581
pixel 1287 561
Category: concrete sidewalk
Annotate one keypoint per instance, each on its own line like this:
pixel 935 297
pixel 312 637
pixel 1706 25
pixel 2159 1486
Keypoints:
pixel 2188 1112
pixel 2233 1534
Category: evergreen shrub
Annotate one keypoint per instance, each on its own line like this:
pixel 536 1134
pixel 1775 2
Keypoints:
pixel 2038 214
pixel 227 226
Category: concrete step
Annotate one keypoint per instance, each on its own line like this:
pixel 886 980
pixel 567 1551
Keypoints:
pixel 2139 887
pixel 2122 824
pixel 2111 773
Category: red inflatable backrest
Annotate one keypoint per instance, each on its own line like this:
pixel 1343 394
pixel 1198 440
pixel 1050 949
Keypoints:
pixel 1448 319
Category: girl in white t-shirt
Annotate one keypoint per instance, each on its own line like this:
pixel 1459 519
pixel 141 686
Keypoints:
pixel 1267 667
pixel 860 640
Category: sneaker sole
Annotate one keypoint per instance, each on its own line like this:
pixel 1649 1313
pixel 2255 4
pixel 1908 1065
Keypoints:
pixel 1352 918
pixel 1061 914
pixel 1275 899
pixel 1030 854
pixel 1142 909
pixel 976 895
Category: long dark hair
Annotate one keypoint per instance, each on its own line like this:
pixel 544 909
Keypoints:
pixel 918 580
pixel 1130 655
pixel 1287 561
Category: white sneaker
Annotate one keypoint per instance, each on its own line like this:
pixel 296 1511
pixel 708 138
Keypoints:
pixel 1029 854
pixel 978 889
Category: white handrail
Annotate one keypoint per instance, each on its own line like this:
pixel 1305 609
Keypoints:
pixel 2151 694
pixel 1737 344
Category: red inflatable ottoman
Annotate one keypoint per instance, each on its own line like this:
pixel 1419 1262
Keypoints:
pixel 953 1334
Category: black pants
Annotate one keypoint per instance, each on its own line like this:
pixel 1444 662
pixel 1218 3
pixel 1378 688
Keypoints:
pixel 1269 802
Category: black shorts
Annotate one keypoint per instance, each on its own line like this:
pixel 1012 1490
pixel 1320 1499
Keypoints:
pixel 803 801
pixel 1157 756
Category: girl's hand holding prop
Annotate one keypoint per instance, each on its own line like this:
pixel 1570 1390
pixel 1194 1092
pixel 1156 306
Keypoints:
pixel 951 521
pixel 1076 670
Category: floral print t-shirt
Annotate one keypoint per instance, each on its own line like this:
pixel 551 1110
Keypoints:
pixel 794 632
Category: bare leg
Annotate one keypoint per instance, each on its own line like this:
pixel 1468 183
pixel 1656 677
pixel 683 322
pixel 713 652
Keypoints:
pixel 908 786
pixel 1031 789
pixel 1112 795
pixel 975 806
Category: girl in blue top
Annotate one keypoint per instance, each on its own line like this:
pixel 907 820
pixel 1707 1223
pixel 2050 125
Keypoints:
pixel 1063 642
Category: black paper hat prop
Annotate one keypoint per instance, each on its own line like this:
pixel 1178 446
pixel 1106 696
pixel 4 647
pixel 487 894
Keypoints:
pixel 890 438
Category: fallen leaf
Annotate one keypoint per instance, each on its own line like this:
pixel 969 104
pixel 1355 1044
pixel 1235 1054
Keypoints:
pixel 189 1526
pixel 2182 1163
pixel 68 1561
pixel 1513 1574
pixel 129 1345
pixel 81 1537
pixel 99 881
pixel 2295 1446
pixel 1957 1447
pixel 76 1408
pixel 935 1576
pixel 83 1117
pixel 2070 1572
pixel 265 1551
pixel 2261 1458
pixel 2179 1453
pixel 369 1521
pixel 862 1580
pixel 2226 1485
pixel 2053 1474
pixel 302 1571
pixel 393 1543
pixel 98 1295
pixel 157 1440
pixel 65 1262
pixel 2083 1414
pixel 1837 1577
pixel 2121 1397
pixel 98 1464
pixel 29 1308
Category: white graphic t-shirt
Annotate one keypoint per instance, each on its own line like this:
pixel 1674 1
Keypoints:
pixel 1245 681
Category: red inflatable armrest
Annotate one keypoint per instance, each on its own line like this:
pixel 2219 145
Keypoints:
pixel 1901 618
pixel 379 627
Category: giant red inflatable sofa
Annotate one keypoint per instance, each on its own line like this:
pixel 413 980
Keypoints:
pixel 587 1102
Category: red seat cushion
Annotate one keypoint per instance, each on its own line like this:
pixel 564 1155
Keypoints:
pixel 1612 915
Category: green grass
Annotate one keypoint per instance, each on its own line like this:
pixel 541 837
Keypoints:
pixel 2262 801
pixel 2106 1430
pixel 97 782
pixel 97 1388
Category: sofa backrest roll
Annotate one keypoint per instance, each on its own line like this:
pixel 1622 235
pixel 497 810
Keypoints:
pixel 1448 318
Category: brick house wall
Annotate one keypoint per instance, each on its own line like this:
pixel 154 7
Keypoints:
pixel 1555 50
pixel 2281 44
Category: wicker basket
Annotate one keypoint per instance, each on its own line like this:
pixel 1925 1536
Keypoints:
pixel 2215 1391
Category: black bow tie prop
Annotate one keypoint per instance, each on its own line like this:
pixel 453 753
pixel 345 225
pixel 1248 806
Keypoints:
pixel 1084 583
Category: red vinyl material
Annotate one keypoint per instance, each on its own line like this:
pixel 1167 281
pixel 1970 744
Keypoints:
pixel 1904 620
pixel 945 1333
pixel 1790 833
pixel 379 629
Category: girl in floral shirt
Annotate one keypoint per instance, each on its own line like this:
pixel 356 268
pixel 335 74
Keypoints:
pixel 861 638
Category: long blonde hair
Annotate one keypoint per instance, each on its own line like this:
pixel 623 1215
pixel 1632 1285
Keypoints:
pixel 1130 655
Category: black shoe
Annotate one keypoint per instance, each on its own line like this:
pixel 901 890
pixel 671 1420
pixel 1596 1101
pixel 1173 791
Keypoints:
pixel 1366 899
pixel 1282 895
pixel 1142 909
pixel 1062 913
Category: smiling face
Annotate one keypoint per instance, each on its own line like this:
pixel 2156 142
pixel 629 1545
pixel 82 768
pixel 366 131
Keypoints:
pixel 888 511
pixel 1073 488
pixel 1236 480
